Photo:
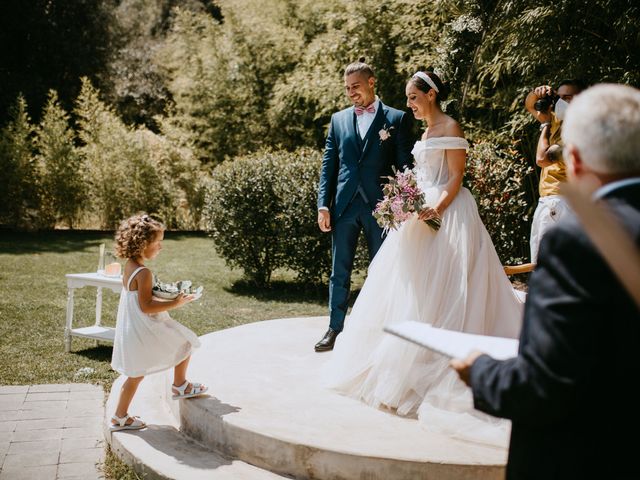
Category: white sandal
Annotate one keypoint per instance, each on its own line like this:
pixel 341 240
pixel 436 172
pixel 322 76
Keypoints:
pixel 137 424
pixel 196 389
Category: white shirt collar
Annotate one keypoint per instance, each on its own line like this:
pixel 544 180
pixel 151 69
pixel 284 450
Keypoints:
pixel 376 105
pixel 610 187
pixel 365 120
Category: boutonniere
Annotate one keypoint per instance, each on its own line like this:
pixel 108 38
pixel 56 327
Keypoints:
pixel 385 133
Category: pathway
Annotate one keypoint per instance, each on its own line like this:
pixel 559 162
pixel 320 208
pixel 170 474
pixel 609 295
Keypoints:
pixel 50 432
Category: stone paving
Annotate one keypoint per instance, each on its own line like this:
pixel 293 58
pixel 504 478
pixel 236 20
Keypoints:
pixel 50 432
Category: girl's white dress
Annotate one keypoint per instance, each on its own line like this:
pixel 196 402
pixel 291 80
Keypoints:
pixel 144 343
pixel 451 279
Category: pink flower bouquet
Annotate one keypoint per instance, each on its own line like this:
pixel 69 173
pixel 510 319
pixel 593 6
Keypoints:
pixel 402 198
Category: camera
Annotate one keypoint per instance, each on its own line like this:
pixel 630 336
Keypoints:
pixel 545 103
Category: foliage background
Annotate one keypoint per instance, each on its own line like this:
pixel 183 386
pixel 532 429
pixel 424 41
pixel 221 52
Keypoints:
pixel 112 106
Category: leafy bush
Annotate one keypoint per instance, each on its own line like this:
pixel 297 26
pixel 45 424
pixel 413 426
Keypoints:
pixel 305 249
pixel 241 210
pixel 499 179
pixel 180 177
pixel 261 212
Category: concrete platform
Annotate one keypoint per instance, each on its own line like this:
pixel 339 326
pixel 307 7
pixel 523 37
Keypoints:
pixel 268 409
pixel 161 451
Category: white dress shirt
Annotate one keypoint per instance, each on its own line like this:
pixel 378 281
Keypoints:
pixel 610 187
pixel 365 120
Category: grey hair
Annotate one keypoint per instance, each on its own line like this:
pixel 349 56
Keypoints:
pixel 603 124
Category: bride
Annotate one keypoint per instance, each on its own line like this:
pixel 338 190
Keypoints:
pixel 451 279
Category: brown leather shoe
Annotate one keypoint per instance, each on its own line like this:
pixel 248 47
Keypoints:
pixel 327 341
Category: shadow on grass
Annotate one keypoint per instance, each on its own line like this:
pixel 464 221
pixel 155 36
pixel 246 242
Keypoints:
pixel 287 291
pixel 100 353
pixel 184 234
pixel 64 241
pixel 59 241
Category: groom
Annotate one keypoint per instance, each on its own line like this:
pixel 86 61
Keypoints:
pixel 363 143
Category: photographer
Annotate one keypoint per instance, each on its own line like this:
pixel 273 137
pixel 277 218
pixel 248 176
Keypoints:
pixel 548 107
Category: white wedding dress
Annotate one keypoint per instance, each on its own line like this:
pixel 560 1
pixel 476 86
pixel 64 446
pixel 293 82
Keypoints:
pixel 147 343
pixel 451 279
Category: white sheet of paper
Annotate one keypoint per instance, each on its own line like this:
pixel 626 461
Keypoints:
pixel 454 344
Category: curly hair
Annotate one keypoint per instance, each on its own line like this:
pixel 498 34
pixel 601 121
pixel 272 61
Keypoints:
pixel 135 233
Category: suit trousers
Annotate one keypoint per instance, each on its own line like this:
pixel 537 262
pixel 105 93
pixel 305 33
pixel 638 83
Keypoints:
pixel 345 232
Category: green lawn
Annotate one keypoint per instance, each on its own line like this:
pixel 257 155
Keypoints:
pixel 33 301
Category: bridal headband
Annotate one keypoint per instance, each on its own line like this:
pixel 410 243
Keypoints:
pixel 427 79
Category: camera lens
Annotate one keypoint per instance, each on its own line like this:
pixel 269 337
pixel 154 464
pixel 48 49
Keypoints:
pixel 542 104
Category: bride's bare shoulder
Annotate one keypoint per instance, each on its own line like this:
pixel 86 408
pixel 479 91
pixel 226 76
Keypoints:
pixel 452 129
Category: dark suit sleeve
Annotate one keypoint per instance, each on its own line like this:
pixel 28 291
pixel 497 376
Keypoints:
pixel 404 143
pixel 329 169
pixel 540 386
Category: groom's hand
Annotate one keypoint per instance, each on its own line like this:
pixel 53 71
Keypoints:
pixel 324 220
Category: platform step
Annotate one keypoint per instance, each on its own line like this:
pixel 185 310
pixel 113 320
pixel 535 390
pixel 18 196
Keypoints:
pixel 162 452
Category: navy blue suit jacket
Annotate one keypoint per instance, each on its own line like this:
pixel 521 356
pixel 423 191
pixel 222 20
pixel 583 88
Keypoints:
pixel 349 161
pixel 568 393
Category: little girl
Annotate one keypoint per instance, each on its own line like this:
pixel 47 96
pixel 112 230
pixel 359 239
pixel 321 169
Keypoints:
pixel 147 339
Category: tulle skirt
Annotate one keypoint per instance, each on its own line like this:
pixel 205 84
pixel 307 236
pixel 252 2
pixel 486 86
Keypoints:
pixel 451 279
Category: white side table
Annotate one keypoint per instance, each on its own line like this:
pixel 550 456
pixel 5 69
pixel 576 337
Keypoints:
pixel 97 331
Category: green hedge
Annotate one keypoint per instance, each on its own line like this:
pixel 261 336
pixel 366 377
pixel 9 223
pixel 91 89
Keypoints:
pixel 502 184
pixel 261 212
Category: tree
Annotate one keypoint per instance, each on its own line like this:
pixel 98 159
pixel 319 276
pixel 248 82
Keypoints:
pixel 49 44
pixel 222 74
pixel 19 192
pixel 138 83
pixel 63 188
pixel 110 155
pixel 303 101
pixel 132 169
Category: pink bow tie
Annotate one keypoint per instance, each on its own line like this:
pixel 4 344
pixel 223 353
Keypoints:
pixel 360 110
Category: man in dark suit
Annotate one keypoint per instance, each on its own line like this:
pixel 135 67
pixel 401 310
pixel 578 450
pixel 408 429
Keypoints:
pixel 568 392
pixel 363 143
